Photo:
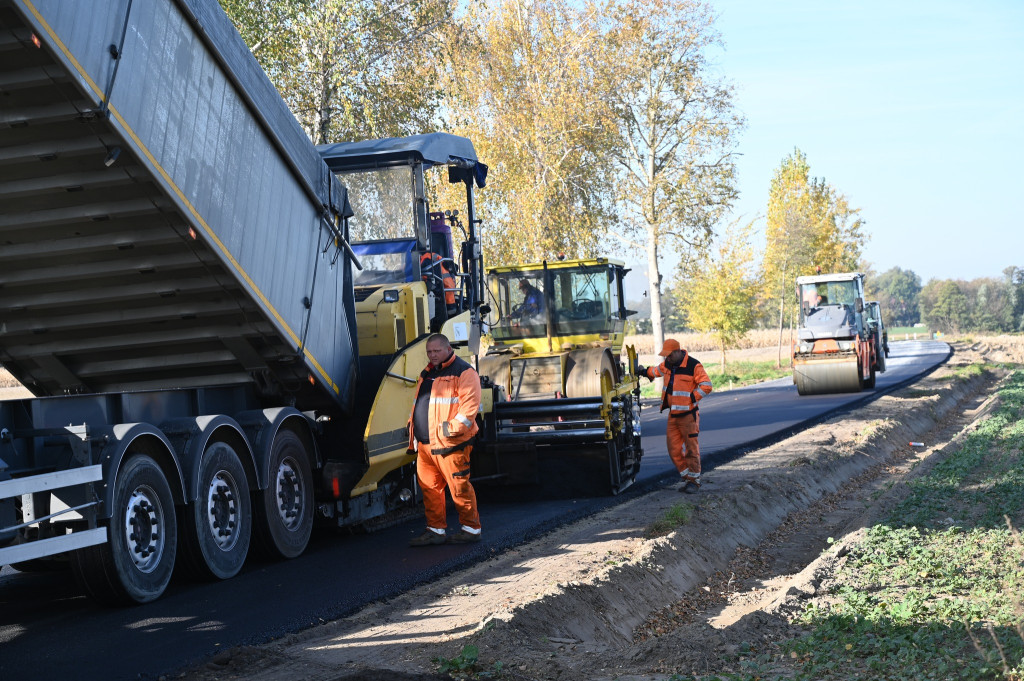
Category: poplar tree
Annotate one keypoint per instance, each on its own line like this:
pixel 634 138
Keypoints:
pixel 349 69
pixel 810 228
pixel 719 294
pixel 899 290
pixel 676 128
pixel 944 306
pixel 522 87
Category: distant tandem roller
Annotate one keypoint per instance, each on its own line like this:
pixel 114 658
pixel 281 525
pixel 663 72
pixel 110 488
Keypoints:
pixel 838 346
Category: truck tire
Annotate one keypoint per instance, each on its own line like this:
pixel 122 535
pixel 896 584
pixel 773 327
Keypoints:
pixel 136 563
pixel 284 510
pixel 217 528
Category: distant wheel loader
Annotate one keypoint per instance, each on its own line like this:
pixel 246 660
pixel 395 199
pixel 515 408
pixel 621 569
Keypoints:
pixel 839 343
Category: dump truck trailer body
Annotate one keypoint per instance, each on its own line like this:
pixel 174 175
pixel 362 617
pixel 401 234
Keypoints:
pixel 149 201
pixel 176 286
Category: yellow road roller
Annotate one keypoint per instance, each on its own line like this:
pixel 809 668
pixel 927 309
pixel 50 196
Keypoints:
pixel 556 331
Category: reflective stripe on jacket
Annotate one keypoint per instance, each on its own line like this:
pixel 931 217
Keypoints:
pixel 431 262
pixel 684 386
pixel 454 404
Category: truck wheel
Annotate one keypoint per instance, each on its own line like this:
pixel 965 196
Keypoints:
pixel 284 510
pixel 136 563
pixel 218 526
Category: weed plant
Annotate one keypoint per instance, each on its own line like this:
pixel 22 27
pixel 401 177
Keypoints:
pixel 466 665
pixel 677 516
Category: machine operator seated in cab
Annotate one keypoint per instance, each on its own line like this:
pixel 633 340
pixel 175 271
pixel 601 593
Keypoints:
pixel 531 310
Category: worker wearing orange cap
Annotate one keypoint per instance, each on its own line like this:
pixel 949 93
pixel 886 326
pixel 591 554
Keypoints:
pixel 685 384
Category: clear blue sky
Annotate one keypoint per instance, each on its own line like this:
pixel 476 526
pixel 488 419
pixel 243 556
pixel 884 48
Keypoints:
pixel 913 110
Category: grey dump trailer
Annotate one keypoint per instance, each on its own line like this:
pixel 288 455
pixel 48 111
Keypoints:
pixel 175 287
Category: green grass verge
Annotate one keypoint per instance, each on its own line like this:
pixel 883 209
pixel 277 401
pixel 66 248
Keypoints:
pixel 936 591
pixel 737 374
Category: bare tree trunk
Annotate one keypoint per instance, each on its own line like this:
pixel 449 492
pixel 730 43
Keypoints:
pixel 653 270
pixel 323 128
pixel 782 312
pixel 792 325
pixel 655 287
pixel 723 357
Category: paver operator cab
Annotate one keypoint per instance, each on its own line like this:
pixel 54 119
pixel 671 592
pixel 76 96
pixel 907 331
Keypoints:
pixel 411 270
pixel 556 331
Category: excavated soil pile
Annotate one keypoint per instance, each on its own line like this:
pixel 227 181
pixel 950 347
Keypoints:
pixel 606 598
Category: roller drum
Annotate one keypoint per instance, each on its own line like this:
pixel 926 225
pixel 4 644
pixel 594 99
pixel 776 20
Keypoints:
pixel 585 368
pixel 827 376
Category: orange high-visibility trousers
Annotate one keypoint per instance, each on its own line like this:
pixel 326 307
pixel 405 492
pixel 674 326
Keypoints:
pixel 436 472
pixel 681 432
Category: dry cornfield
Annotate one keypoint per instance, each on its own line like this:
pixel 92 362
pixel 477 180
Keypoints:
pixel 703 342
pixel 1011 348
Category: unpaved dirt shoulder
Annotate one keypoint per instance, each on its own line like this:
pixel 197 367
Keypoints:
pixel 598 600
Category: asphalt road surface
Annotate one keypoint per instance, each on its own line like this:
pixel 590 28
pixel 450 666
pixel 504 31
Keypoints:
pixel 48 630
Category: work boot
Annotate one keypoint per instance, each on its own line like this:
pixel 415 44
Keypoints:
pixel 428 538
pixel 463 537
pixel 690 487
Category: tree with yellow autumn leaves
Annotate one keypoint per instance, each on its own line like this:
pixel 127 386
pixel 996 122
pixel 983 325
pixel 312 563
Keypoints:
pixel 810 227
pixel 600 120
pixel 523 87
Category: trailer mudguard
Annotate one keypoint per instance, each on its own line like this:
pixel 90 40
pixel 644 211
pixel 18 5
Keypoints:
pixel 190 437
pixel 261 427
pixel 144 438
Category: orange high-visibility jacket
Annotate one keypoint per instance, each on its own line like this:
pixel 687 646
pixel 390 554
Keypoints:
pixel 454 404
pixel 684 387
pixel 432 261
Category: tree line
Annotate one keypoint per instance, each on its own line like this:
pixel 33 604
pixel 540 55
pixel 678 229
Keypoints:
pixel 606 127
pixel 811 227
pixel 990 304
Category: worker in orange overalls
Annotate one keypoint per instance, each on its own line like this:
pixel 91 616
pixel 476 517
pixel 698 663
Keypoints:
pixel 442 429
pixel 685 384
pixel 431 265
